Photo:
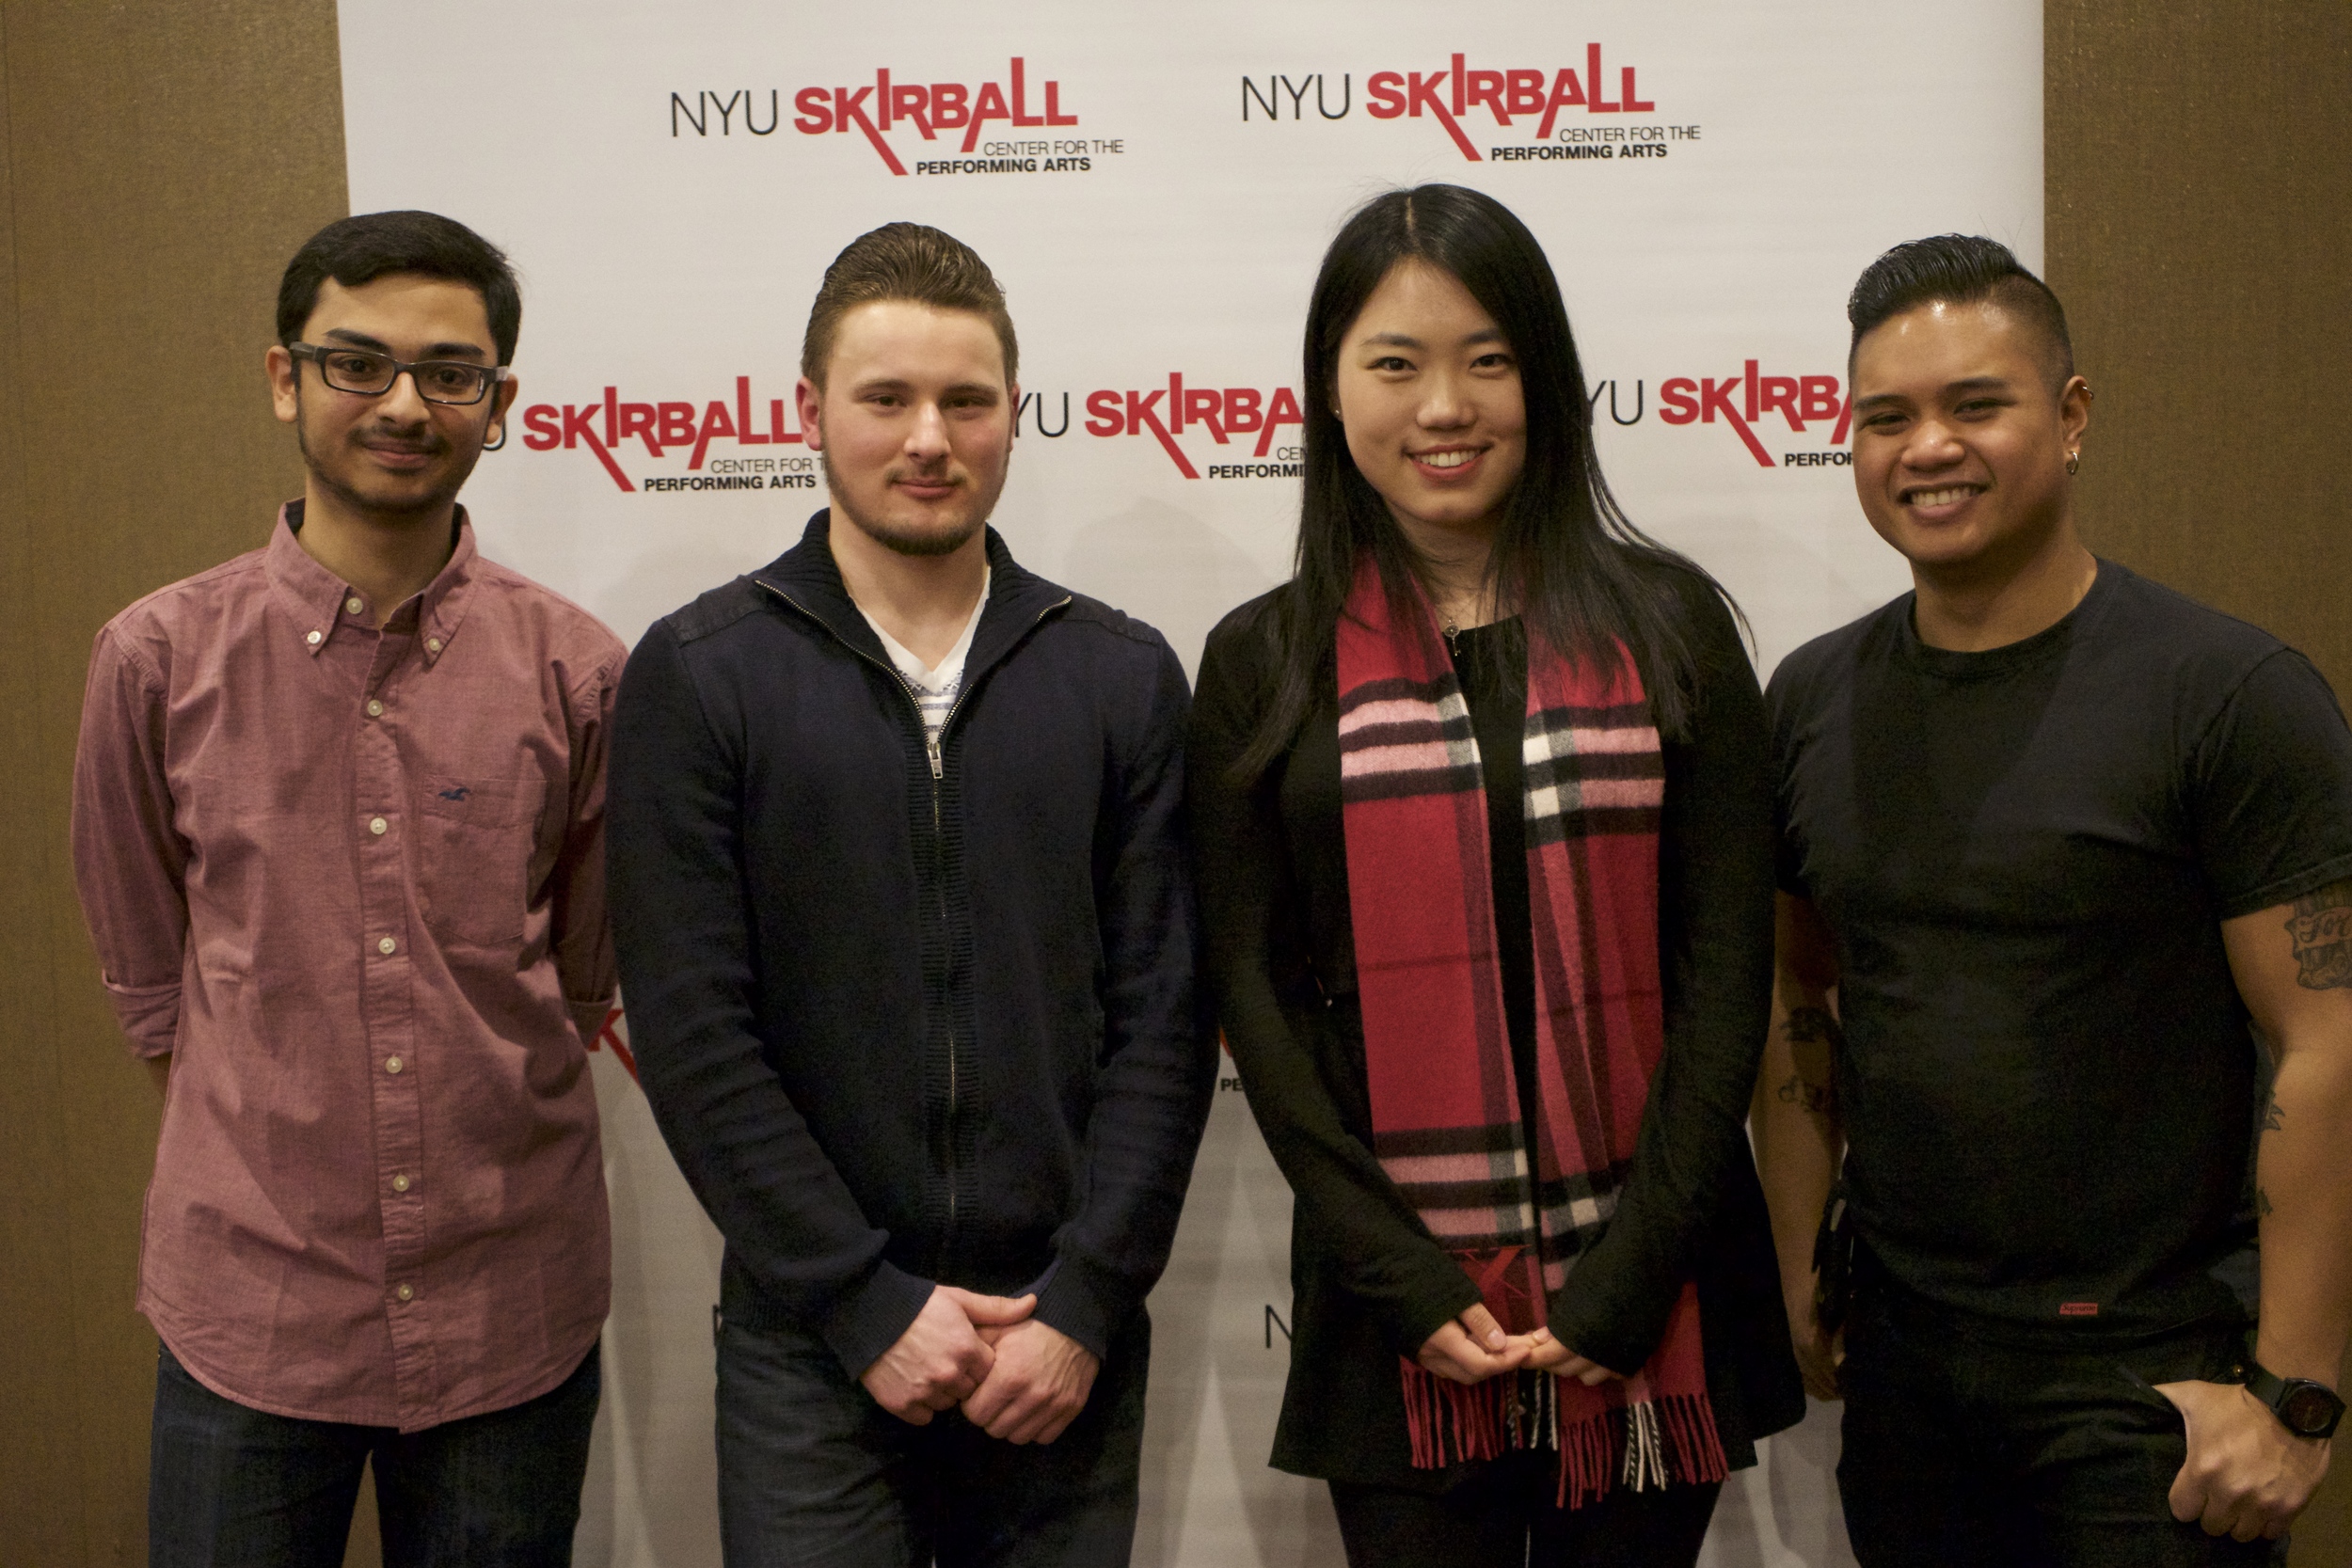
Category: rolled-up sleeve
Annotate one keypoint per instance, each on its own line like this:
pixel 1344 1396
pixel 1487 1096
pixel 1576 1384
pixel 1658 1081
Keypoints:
pixel 130 863
pixel 583 934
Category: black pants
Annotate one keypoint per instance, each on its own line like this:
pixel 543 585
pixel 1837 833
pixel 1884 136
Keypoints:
pixel 229 1484
pixel 812 1471
pixel 1972 1443
pixel 1503 1517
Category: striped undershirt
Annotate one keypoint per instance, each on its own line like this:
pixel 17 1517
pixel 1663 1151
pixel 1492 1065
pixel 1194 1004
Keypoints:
pixel 934 687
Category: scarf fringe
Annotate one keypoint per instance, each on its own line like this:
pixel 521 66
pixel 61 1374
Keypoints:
pixel 1644 1446
pixel 1447 1422
pixel 1698 1449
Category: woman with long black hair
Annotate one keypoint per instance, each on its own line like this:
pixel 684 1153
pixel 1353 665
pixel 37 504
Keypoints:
pixel 1482 813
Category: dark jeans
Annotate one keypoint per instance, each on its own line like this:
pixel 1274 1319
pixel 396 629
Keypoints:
pixel 227 1484
pixel 1969 1442
pixel 812 1471
pixel 1503 1517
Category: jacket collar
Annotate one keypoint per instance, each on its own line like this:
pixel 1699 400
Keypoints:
pixel 808 577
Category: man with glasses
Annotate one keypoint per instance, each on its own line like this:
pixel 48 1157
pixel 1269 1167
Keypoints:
pixel 338 826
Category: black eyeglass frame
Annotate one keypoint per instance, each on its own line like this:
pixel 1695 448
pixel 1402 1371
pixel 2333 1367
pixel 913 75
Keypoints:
pixel 491 374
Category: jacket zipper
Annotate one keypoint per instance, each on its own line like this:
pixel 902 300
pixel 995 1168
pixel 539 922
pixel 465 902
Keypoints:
pixel 933 751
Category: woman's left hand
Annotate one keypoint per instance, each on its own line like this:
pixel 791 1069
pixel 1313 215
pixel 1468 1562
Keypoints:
pixel 1550 1355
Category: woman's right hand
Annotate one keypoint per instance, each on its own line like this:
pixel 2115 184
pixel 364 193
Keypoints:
pixel 1473 1348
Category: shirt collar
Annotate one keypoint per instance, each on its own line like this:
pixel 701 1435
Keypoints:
pixel 321 603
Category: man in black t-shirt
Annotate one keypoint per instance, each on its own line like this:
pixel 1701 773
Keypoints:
pixel 2052 837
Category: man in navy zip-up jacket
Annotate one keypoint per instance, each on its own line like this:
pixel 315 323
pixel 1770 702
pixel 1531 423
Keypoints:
pixel 909 949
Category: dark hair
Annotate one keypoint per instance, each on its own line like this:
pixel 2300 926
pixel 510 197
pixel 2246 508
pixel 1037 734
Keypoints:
pixel 911 262
pixel 358 250
pixel 1584 578
pixel 1959 269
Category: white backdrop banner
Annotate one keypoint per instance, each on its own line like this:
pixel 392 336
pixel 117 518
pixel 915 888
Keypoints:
pixel 1154 188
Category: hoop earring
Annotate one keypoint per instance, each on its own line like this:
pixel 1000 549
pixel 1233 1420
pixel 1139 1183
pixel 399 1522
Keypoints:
pixel 2073 459
pixel 493 446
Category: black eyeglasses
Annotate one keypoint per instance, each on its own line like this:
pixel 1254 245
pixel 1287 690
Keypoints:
pixel 362 370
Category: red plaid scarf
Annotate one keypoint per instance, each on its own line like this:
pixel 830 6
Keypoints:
pixel 1446 1117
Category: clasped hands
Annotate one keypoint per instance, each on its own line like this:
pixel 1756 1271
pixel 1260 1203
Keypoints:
pixel 1013 1377
pixel 1473 1348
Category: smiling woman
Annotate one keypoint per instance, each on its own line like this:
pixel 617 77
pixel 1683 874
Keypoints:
pixel 1532 530
pixel 1428 393
pixel 1466 851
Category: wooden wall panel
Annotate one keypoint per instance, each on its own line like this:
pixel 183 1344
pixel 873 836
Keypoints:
pixel 163 162
pixel 2201 237
pixel 39 1443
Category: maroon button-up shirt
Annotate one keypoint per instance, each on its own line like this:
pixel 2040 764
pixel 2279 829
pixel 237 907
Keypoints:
pixel 353 880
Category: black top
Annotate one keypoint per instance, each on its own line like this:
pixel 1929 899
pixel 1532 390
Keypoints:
pixel 901 1028
pixel 1369 1283
pixel 2025 856
pixel 1492 663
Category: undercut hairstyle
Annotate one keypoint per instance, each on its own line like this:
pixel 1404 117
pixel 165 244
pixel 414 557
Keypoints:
pixel 1959 269
pixel 911 262
pixel 1587 582
pixel 355 251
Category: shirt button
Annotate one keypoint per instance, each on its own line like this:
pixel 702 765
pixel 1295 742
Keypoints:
pixel 432 644
pixel 407 1292
pixel 315 639
pixel 387 946
pixel 378 826
pixel 400 1183
pixel 375 709
pixel 355 604
pixel 391 1064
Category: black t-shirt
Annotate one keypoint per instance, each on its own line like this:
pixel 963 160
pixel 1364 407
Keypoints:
pixel 1491 661
pixel 2025 856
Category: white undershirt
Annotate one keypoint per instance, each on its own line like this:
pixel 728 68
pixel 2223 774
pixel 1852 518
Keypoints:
pixel 935 687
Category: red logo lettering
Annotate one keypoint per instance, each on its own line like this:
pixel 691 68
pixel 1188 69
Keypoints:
pixel 1741 401
pixel 1165 412
pixel 659 425
pixel 1450 95
pixel 930 109
pixel 611 1035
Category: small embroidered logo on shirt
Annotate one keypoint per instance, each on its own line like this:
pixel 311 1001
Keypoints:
pixel 2078 1309
pixel 461 792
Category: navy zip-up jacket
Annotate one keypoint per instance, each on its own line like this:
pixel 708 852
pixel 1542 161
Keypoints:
pixel 908 1020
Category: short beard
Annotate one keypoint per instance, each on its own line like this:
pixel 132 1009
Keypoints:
pixel 899 541
pixel 422 507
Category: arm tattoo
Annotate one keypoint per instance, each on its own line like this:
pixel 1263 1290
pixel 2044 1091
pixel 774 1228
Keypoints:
pixel 2321 930
pixel 1812 1026
pixel 2261 1203
pixel 1812 1098
pixel 2274 1114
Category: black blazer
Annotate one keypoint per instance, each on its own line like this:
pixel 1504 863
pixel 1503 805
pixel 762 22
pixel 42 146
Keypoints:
pixel 1370 1284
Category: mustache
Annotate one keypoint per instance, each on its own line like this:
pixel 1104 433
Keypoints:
pixel 425 445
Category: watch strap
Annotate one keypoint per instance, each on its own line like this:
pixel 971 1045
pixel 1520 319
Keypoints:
pixel 2280 1392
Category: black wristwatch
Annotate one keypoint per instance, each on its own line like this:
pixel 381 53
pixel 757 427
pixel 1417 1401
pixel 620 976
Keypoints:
pixel 2306 1408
